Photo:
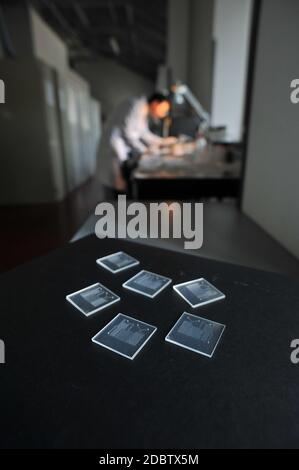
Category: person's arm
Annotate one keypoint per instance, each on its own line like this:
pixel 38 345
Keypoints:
pixel 150 138
pixel 154 140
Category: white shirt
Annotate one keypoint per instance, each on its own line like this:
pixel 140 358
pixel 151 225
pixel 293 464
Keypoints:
pixel 136 131
pixel 126 129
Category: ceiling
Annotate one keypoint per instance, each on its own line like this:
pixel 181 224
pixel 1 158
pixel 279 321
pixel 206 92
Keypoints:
pixel 133 32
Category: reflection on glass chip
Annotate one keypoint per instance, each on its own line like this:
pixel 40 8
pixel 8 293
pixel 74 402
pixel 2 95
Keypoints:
pixel 120 260
pixel 124 335
pixel 128 332
pixel 202 290
pixel 150 280
pixel 97 296
pixel 199 330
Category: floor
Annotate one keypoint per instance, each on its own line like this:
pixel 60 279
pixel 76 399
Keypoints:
pixel 31 231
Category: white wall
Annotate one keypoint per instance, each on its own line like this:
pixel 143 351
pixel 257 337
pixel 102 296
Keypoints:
pixel 271 193
pixel 32 170
pixel 232 26
pixel 47 46
pixel 31 37
pixel 111 83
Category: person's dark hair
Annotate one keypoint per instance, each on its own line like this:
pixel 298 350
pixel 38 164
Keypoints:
pixel 159 97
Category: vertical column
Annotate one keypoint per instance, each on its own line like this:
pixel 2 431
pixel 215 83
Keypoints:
pixel 178 38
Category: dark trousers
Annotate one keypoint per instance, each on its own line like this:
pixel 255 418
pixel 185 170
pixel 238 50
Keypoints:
pixel 127 169
pixel 111 194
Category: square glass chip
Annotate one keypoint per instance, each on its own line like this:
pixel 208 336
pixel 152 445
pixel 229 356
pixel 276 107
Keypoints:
pixel 125 335
pixel 198 292
pixel 147 283
pixel 197 334
pixel 117 262
pixel 92 299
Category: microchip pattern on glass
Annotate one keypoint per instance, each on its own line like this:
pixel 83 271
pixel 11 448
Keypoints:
pixel 196 333
pixel 202 290
pixel 96 296
pixel 149 280
pixel 120 260
pixel 124 335
pixel 197 329
pixel 128 332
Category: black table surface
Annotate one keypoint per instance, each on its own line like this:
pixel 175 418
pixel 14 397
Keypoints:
pixel 189 188
pixel 58 389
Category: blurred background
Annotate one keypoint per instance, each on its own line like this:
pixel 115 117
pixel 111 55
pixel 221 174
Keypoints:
pixel 226 65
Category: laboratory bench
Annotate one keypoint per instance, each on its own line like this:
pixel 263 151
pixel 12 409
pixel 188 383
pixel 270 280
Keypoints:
pixel 197 174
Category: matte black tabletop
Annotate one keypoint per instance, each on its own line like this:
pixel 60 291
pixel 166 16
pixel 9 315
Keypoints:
pixel 58 389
